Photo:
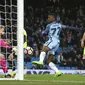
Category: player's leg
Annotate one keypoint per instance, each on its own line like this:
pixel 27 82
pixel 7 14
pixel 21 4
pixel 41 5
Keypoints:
pixel 50 44
pixel 11 61
pixel 51 64
pixel 84 58
pixel 3 63
pixel 45 49
pixel 42 55
pixel 11 65
pixel 51 54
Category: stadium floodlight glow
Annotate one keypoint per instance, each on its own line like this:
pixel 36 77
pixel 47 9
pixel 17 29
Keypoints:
pixel 12 16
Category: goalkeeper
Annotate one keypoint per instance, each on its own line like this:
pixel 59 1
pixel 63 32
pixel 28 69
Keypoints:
pixel 83 46
pixel 4 45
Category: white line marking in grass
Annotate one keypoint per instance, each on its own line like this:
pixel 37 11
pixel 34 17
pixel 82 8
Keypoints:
pixel 57 81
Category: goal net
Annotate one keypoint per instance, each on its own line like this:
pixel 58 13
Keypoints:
pixel 11 40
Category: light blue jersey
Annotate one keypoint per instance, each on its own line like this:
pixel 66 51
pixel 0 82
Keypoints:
pixel 53 31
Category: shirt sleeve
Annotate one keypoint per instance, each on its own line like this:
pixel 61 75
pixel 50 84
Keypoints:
pixel 3 44
pixel 70 27
pixel 47 29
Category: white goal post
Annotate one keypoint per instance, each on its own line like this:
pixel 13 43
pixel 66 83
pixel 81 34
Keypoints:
pixel 20 31
pixel 20 25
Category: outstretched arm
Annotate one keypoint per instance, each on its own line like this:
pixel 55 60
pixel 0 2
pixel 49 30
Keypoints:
pixel 71 27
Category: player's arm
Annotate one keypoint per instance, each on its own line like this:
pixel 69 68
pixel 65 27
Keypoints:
pixel 4 44
pixel 70 27
pixel 46 30
pixel 82 40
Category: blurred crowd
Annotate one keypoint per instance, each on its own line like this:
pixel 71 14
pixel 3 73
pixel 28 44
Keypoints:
pixel 70 13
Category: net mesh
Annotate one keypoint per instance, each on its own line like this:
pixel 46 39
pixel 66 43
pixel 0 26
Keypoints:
pixel 8 19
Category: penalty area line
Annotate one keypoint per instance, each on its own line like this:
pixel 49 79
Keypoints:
pixel 57 81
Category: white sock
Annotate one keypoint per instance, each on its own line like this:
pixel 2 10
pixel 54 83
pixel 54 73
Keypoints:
pixel 53 67
pixel 42 56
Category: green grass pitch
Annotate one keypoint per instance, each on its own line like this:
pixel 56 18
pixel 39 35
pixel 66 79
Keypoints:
pixel 46 79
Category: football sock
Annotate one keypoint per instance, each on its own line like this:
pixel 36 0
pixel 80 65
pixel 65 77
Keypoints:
pixel 42 56
pixel 53 67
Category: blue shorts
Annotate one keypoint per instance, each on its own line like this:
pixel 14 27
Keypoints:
pixel 53 44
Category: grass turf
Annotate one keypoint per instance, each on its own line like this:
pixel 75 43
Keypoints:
pixel 46 79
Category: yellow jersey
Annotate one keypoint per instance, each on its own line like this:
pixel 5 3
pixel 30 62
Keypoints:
pixel 25 38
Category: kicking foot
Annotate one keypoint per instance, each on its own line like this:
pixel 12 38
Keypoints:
pixel 37 62
pixel 58 73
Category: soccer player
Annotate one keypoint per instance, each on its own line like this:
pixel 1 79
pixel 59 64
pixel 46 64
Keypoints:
pixel 83 46
pixel 53 30
pixel 3 45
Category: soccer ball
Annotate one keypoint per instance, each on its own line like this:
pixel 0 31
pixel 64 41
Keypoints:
pixel 29 50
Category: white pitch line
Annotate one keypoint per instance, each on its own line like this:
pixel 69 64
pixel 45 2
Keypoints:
pixel 57 81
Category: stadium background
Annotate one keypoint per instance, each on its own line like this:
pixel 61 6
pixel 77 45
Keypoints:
pixel 68 12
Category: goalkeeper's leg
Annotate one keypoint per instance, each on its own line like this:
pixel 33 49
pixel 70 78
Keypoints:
pixel 3 63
